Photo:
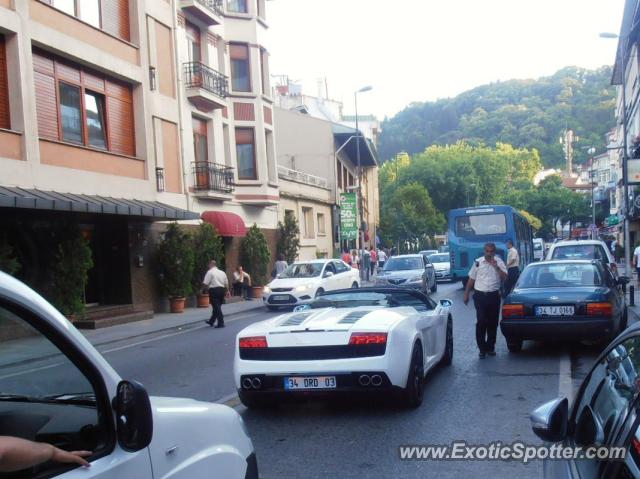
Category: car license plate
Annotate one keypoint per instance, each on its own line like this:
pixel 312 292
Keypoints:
pixel 309 382
pixel 280 297
pixel 554 310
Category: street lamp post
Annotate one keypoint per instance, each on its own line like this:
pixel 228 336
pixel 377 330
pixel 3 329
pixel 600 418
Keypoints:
pixel 625 153
pixel 591 151
pixel 360 201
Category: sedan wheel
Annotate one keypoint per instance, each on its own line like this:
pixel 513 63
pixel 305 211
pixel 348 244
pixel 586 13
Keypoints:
pixel 413 393
pixel 447 357
pixel 319 291
pixel 514 346
pixel 355 285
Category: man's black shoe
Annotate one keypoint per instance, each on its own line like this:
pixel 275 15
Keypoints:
pixel 482 355
pixel 209 322
pixel 492 352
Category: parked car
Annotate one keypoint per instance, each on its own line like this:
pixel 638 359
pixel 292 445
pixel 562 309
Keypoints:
pixel 442 265
pixel 538 249
pixel 302 281
pixel 604 413
pixel 569 299
pixel 582 249
pixel 377 340
pixel 413 270
pixel 69 396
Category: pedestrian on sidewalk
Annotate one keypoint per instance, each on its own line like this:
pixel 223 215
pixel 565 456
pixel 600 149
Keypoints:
pixel 485 278
pixel 355 262
pixel 374 260
pixel 217 283
pixel 636 262
pixel 382 259
pixel 346 257
pixel 280 265
pixel 513 267
pixel 241 283
pixel 366 262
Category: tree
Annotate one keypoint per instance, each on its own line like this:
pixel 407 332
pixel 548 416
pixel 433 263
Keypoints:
pixel 288 238
pixel 410 216
pixel 254 255
pixel 176 261
pixel 207 245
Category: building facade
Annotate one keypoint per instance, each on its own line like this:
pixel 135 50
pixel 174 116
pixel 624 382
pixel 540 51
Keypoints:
pixel 117 116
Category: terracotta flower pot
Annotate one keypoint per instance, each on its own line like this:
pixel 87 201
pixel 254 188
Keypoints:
pixel 256 292
pixel 203 300
pixel 176 305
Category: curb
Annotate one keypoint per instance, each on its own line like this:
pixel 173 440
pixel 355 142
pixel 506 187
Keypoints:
pixel 177 326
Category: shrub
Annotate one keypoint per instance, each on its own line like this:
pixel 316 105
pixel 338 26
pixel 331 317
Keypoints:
pixel 289 238
pixel 255 255
pixel 207 245
pixel 175 258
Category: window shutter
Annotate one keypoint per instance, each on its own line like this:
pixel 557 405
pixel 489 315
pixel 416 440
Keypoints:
pixel 4 87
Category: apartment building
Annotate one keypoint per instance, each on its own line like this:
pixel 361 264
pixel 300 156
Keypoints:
pixel 117 116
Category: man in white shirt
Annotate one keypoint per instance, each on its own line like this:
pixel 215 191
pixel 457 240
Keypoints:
pixel 513 267
pixel 217 283
pixel 382 258
pixel 241 283
pixel 636 262
pixel 485 277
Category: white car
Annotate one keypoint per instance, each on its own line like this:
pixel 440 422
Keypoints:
pixel 583 249
pixel 442 264
pixel 56 388
pixel 302 281
pixel 538 249
pixel 368 340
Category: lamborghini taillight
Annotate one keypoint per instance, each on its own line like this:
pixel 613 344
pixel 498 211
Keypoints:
pixel 253 342
pixel 359 339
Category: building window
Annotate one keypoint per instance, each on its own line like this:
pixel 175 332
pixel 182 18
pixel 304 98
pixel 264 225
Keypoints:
pixel 240 71
pixel 83 107
pixel 289 213
pixel 70 113
pixel 307 222
pixel 238 6
pixel 246 154
pixel 94 112
pixel 264 70
pixel 86 10
pixel 193 39
pixel 321 224
pixel 4 88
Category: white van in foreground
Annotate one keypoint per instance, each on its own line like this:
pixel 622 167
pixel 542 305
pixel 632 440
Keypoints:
pixel 56 388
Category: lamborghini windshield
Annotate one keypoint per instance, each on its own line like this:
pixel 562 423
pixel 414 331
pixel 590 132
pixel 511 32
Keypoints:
pixel 357 298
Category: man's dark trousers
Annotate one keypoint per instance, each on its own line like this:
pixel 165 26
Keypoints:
pixel 216 298
pixel 487 315
pixel 513 274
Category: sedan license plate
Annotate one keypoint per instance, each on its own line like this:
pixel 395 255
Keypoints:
pixel 280 297
pixel 554 310
pixel 309 382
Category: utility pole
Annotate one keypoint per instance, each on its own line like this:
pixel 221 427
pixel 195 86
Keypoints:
pixel 591 151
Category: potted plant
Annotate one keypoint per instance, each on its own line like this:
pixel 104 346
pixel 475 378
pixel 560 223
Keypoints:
pixel 175 258
pixel 207 245
pixel 255 258
pixel 69 271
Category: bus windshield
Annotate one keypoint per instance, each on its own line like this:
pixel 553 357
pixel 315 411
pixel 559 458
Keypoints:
pixel 481 225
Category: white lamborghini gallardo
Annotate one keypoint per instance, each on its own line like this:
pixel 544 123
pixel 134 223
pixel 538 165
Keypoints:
pixel 367 340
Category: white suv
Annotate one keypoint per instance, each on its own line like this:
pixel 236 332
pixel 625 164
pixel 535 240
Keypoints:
pixel 56 388
pixel 582 249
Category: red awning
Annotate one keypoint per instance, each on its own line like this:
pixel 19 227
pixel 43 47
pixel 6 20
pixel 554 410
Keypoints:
pixel 225 223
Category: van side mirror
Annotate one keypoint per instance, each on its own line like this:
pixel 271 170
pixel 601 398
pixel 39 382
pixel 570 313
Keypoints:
pixel 549 421
pixel 134 419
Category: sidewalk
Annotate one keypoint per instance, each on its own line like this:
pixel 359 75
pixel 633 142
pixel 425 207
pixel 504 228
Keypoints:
pixel 634 311
pixel 164 321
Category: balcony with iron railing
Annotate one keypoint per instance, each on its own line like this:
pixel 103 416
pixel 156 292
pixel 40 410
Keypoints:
pixel 206 88
pixel 212 179
pixel 210 12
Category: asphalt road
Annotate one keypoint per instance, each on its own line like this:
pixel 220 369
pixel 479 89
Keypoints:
pixel 477 401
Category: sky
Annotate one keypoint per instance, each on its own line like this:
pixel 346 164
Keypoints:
pixel 422 50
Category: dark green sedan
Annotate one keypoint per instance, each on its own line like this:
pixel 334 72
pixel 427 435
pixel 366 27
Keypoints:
pixel 574 300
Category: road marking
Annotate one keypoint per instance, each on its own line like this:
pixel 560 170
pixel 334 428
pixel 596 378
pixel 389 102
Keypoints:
pixel 32 370
pixel 565 386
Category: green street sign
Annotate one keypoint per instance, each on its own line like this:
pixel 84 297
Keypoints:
pixel 612 220
pixel 348 216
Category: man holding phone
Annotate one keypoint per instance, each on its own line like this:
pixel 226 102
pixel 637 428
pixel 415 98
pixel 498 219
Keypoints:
pixel 485 277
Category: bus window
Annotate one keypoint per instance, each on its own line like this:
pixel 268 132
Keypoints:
pixel 479 225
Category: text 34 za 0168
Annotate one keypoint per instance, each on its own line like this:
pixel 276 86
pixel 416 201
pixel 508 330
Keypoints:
pixel 554 311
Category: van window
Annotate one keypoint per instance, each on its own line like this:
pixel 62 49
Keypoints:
pixel 44 396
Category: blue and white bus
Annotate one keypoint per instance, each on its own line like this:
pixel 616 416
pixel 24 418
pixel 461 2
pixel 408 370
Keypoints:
pixel 471 228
